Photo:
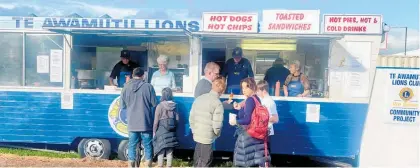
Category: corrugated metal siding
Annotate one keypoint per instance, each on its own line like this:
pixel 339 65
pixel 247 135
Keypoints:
pixel 37 117
pixel 398 61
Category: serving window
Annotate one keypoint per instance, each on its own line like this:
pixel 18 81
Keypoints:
pixel 264 60
pixel 34 60
pixel 94 57
pixel 311 53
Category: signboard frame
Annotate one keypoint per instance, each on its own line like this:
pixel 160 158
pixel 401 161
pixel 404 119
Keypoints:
pixel 323 24
pixel 255 24
pixel 316 24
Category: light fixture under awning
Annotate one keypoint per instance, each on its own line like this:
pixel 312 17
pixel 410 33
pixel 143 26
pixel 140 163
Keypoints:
pixel 268 41
pixel 269 47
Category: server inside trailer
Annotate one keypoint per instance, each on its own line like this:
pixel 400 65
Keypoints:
pixel 274 54
pixel 103 61
pixel 122 71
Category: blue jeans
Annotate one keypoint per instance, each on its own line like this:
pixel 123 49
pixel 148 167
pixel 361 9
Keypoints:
pixel 136 137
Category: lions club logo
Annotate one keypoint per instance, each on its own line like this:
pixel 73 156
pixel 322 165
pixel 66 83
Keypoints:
pixel 118 118
pixel 406 94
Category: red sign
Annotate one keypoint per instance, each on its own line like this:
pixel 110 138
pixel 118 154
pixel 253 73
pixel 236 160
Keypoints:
pixel 353 24
pixel 230 22
pixel 290 21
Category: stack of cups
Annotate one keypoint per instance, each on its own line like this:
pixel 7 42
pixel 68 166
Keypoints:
pixel 232 118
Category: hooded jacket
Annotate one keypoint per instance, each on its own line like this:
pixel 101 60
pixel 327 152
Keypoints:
pixel 139 98
pixel 164 126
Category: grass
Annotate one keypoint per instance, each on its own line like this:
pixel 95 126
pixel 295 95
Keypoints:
pixel 181 163
pixel 26 152
pixel 216 163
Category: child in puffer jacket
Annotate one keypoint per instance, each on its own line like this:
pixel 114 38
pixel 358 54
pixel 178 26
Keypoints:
pixel 164 128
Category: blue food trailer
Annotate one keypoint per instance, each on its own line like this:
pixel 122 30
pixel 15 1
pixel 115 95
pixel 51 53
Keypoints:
pixel 54 86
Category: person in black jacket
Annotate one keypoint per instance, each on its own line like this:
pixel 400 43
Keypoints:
pixel 122 69
pixel 277 73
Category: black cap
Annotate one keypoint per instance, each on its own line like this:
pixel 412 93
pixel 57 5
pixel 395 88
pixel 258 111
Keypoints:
pixel 138 72
pixel 125 54
pixel 237 52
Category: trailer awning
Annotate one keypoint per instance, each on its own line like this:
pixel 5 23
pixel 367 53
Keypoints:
pixel 265 35
pixel 120 32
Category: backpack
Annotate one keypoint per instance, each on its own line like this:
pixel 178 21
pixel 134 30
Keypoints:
pixel 171 122
pixel 258 128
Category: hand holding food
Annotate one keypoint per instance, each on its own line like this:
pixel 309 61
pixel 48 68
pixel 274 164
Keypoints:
pixel 228 101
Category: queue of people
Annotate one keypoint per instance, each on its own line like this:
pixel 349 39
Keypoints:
pixel 156 129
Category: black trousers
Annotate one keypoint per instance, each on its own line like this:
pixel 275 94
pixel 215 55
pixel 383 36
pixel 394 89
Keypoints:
pixel 269 144
pixel 269 147
pixel 203 155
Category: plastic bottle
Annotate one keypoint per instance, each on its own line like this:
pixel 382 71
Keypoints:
pixel 127 78
pixel 277 90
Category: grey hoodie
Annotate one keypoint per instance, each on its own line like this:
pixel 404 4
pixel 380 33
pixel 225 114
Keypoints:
pixel 139 98
pixel 165 110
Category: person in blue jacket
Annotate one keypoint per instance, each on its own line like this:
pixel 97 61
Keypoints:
pixel 122 69
pixel 296 84
pixel 236 69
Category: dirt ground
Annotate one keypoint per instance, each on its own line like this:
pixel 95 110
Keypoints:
pixel 8 160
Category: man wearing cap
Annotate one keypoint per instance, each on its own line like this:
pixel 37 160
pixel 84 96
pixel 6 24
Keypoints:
pixel 122 69
pixel 236 69
pixel 277 73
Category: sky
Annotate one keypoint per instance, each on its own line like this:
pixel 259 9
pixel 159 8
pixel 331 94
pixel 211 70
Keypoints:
pixel 397 13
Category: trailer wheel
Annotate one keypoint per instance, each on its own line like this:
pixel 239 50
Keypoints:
pixel 123 151
pixel 94 148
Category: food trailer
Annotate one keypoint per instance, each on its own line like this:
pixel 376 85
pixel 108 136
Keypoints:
pixel 54 86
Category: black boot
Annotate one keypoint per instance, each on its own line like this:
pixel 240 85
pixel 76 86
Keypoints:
pixel 137 162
